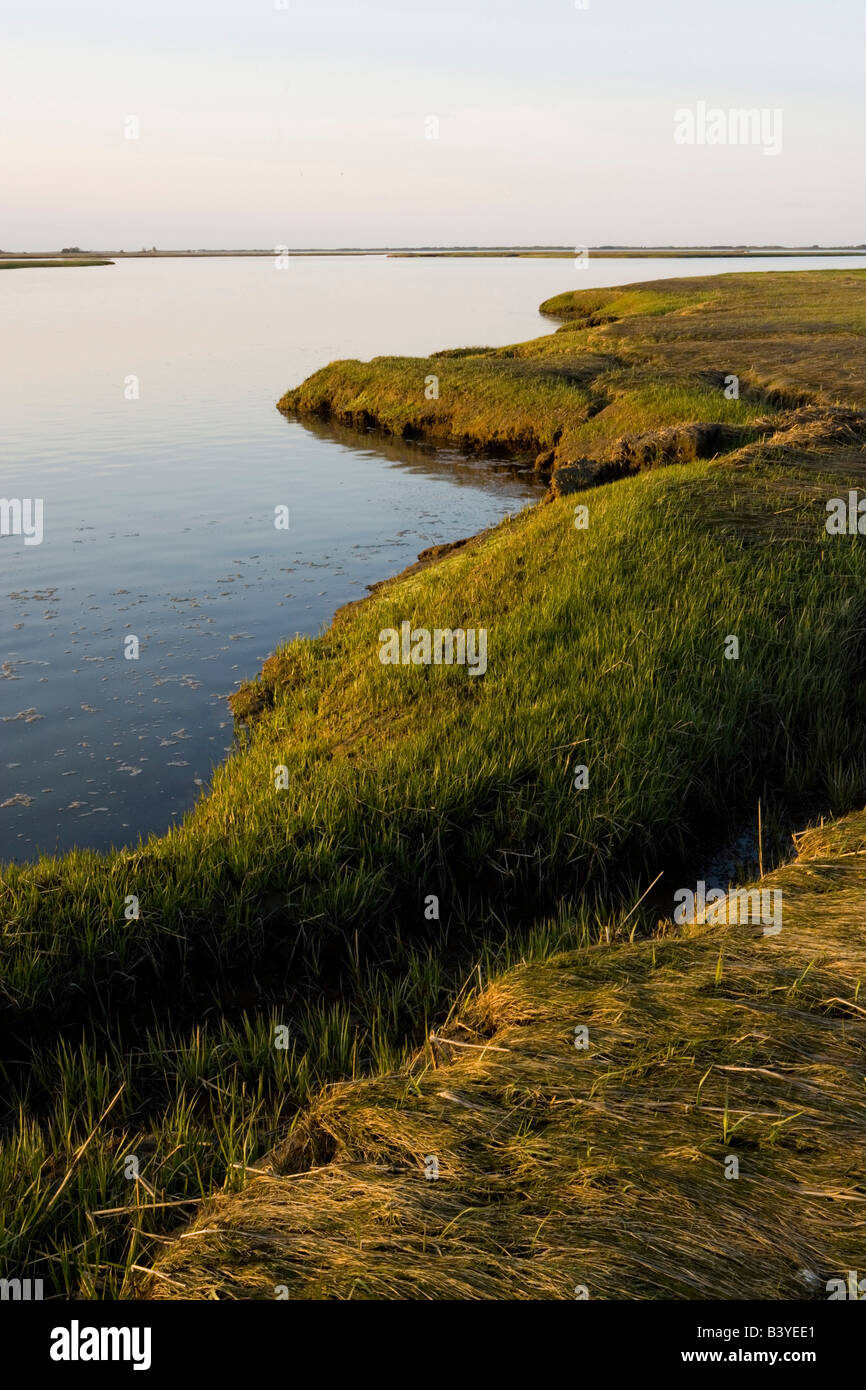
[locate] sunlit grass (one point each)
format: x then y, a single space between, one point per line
305 907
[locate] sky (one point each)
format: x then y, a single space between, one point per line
262 123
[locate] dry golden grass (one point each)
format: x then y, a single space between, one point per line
602 1168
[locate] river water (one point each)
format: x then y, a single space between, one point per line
139 404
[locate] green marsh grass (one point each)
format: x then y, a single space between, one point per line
305 906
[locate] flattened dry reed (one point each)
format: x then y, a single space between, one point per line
605 1167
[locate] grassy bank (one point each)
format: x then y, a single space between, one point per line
304 905
707 1143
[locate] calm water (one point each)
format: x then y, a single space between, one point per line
159 511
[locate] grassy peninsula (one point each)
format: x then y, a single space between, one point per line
625 363
293 895
48 264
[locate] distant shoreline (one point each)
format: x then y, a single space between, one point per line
37 263
648 253
81 257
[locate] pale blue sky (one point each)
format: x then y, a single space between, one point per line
306 125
